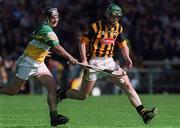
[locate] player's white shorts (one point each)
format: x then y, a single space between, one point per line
102 63
27 67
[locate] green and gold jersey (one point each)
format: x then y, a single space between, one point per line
101 38
41 40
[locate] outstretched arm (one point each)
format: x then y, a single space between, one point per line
53 41
62 52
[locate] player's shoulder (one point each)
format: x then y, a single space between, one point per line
44 27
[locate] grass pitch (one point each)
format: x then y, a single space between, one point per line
95 112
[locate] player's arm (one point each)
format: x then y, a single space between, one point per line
62 52
54 42
82 50
122 44
85 39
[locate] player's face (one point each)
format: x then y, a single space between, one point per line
113 19
53 21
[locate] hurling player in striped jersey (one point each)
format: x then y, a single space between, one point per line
101 37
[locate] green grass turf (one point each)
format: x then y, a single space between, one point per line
95 112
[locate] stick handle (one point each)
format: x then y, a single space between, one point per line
89 66
106 71
86 65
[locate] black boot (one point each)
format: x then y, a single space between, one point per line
58 120
148 115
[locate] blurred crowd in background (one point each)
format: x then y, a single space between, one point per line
151 27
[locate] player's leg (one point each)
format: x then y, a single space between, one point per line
13 87
88 81
23 71
49 82
127 87
83 92
147 115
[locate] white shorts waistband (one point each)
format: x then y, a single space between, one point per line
29 59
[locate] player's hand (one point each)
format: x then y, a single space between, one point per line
85 62
128 62
49 54
72 60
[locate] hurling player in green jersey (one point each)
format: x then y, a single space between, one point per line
31 63
101 37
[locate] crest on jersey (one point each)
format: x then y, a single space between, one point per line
52 36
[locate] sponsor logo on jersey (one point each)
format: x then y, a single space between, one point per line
107 41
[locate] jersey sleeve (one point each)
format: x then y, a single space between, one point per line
52 39
88 34
121 39
45 34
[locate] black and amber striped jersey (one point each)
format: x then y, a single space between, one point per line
101 38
